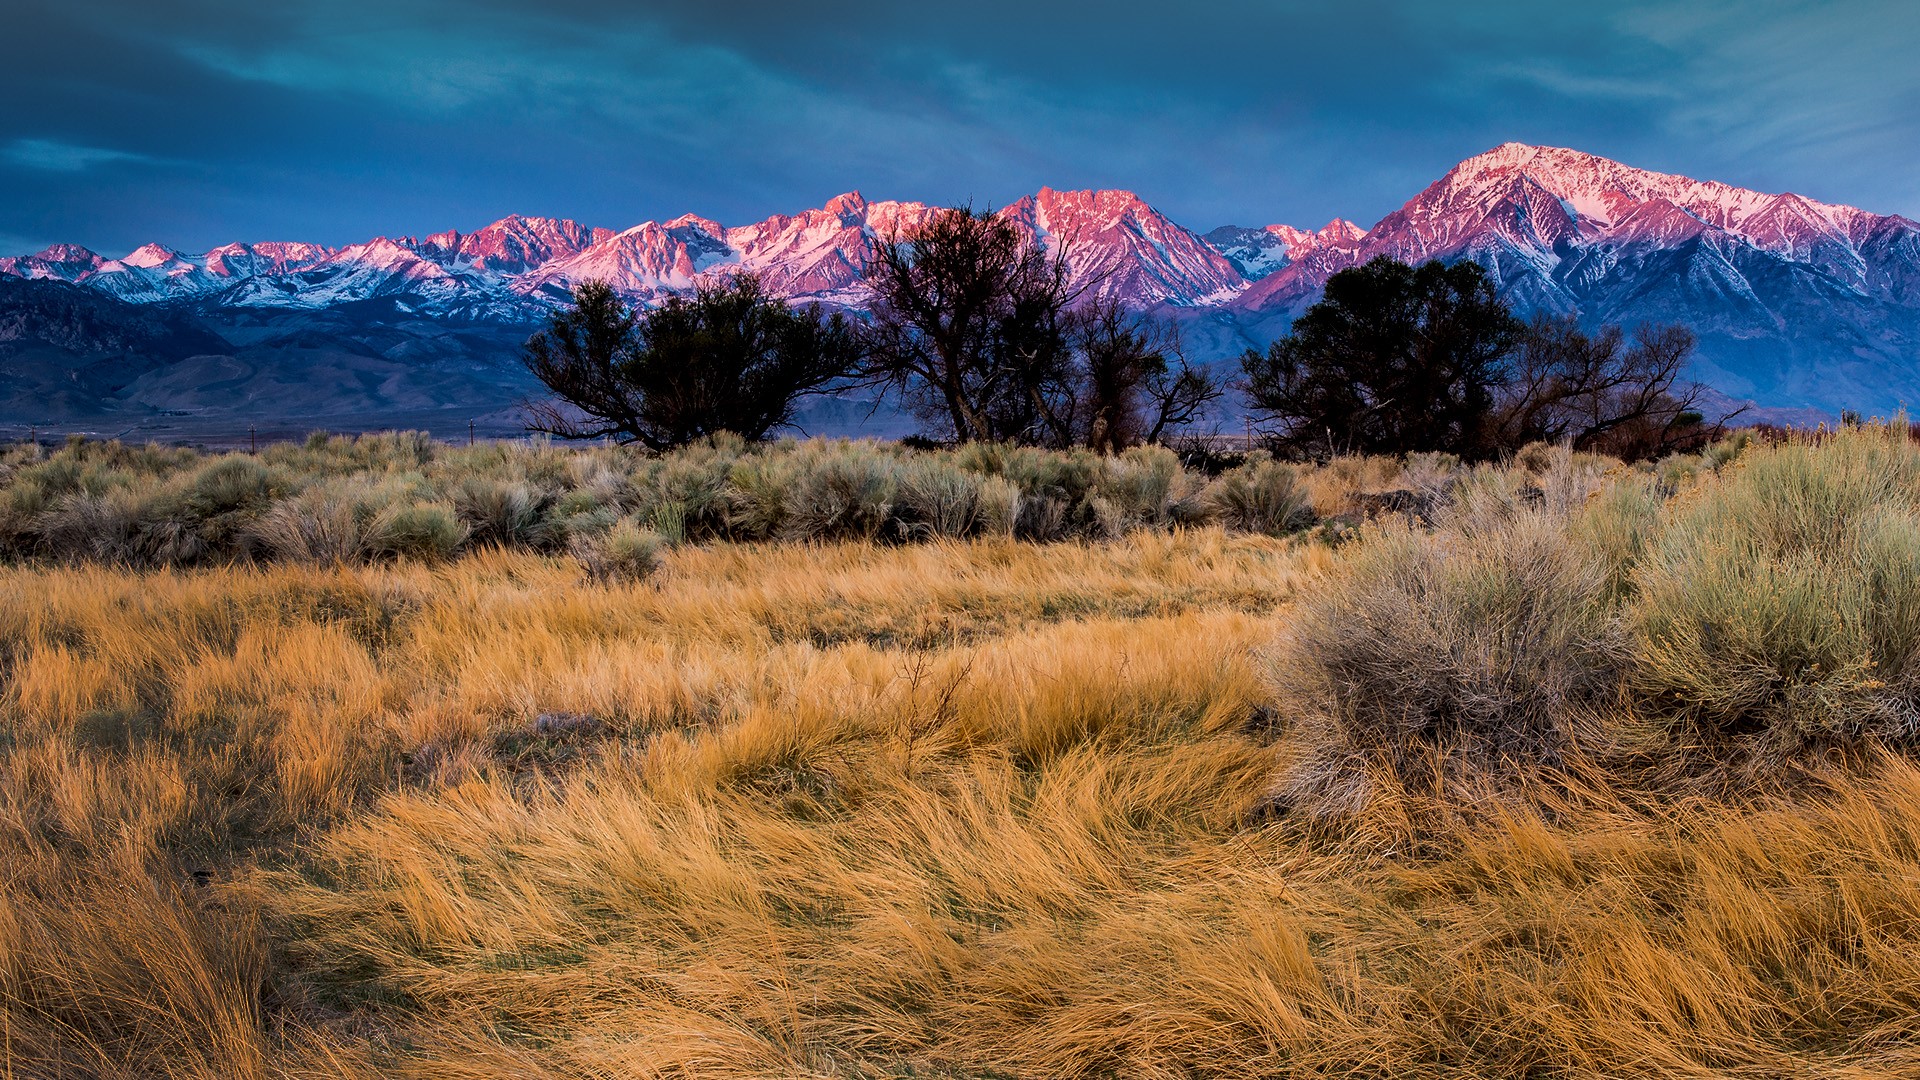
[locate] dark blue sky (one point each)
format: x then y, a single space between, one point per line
194 122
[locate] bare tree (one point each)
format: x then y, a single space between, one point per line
1602 391
1132 382
967 325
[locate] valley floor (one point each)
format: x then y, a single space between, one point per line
964 809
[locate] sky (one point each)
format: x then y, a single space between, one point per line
197 122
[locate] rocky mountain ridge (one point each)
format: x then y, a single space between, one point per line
1797 302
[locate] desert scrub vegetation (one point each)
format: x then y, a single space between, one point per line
378 498
1743 614
980 807
384 497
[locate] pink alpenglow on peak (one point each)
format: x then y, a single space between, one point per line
1117 245
515 244
1600 198
1553 225
1766 280
1120 248
1257 253
60 262
150 256
266 257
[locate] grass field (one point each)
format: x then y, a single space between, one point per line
1479 798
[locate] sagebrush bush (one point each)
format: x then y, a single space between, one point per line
1262 496
508 513
355 499
102 527
693 482
629 551
1781 605
1762 613
1618 523
415 529
1139 488
841 492
1478 651
940 499
315 526
759 487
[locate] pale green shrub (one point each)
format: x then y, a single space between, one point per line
998 501
760 488
318 525
415 530
841 491
1263 496
695 477
1619 522
507 513
1136 488
1781 605
938 498
629 551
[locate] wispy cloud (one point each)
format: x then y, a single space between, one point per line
64 157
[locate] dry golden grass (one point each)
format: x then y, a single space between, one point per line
964 809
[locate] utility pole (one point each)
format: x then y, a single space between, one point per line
469 431
253 445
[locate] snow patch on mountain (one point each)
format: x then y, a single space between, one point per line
1255 253
1812 302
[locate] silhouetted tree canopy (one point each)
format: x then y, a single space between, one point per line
1392 359
981 332
731 357
1602 391
1396 359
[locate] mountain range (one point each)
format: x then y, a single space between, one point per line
1798 304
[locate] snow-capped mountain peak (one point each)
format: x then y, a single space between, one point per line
60 262
848 206
268 257
1601 194
1767 280
512 245
1119 247
1259 252
149 256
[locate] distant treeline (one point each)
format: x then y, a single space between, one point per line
987 337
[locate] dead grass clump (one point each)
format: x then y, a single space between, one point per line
110 967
